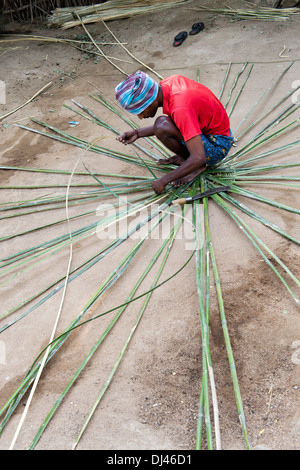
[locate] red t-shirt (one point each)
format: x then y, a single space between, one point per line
193 107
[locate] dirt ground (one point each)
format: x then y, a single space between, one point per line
152 401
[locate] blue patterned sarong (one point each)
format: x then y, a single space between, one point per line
216 147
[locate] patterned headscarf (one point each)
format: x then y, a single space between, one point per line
137 92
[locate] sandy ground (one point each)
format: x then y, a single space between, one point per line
153 399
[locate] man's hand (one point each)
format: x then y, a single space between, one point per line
128 137
158 186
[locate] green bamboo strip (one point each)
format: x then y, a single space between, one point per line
66 172
78 270
60 206
69 330
73 185
74 202
123 265
200 414
78 142
265 114
266 154
237 171
107 188
258 217
45 199
89 262
241 176
160 210
204 332
274 183
43 247
43 227
134 250
226 335
156 143
241 171
252 195
62 242
58 243
240 91
207 310
94 349
224 81
204 383
256 241
261 98
286 269
12 403
234 84
146 165
248 147
83 197
136 199
93 147
82 268
88 145
122 238
97 120
279 118
203 408
50 186
111 375
91 226
95 193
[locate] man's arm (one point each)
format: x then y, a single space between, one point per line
195 161
131 136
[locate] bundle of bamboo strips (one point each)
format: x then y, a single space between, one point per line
255 13
31 9
113 9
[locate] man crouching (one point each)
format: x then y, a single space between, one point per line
195 125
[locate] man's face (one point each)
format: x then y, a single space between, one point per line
150 111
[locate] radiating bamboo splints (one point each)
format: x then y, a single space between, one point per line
242 167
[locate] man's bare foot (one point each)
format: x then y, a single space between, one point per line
187 179
175 160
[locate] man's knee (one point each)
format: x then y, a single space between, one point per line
164 126
161 125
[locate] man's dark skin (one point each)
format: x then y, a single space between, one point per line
191 160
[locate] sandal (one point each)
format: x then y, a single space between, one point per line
196 28
179 38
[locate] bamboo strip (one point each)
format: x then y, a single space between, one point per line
131 55
111 10
28 101
93 350
234 377
258 13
